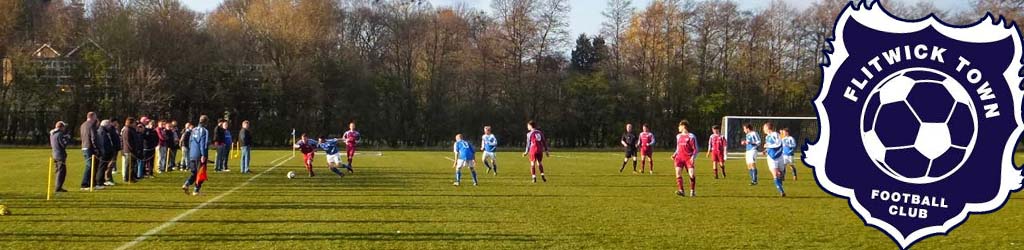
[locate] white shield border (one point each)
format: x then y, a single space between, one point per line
873 16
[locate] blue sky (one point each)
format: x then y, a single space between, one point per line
586 17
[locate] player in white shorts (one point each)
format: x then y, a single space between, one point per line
788 148
751 141
773 155
330 147
464 158
489 144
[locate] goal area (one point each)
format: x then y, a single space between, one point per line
800 128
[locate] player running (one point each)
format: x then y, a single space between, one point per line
464 156
489 144
686 148
308 149
330 147
351 138
773 151
646 145
536 147
751 141
629 141
788 148
716 150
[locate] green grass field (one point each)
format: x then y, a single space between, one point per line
405 200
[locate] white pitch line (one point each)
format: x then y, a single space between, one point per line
174 220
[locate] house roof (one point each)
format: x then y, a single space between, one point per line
46 51
88 41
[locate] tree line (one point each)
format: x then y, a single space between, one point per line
412 74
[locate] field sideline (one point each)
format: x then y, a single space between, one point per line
405 200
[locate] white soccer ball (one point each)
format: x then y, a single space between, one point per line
291 174
919 125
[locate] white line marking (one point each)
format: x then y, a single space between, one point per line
449 158
174 220
370 153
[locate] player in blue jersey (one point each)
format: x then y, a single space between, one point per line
788 148
489 144
773 153
330 147
464 156
751 141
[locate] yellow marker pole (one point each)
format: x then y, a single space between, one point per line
159 164
49 181
92 174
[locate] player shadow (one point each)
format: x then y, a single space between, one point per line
303 221
273 237
305 206
770 196
65 237
372 237
114 205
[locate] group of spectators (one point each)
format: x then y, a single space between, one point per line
146 147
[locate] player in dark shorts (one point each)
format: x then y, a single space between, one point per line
628 141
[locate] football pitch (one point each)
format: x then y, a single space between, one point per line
405 200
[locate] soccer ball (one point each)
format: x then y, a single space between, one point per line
918 125
291 174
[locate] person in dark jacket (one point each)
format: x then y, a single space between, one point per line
245 143
150 141
171 134
115 134
105 150
220 145
59 143
88 137
140 154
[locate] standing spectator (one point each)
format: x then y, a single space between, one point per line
183 141
115 134
150 140
59 143
197 154
172 144
140 156
88 136
105 149
245 142
161 147
130 148
218 141
224 150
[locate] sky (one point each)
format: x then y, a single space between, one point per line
585 16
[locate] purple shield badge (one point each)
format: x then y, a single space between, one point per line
919 120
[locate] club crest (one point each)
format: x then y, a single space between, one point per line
919 120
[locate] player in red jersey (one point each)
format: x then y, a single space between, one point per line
536 147
351 138
686 148
716 150
308 148
646 145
